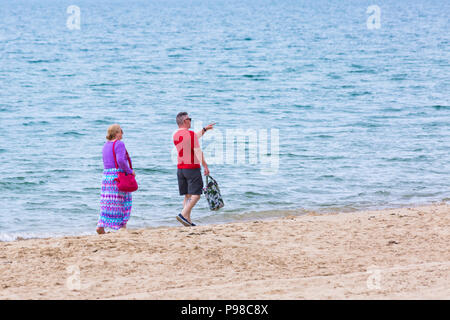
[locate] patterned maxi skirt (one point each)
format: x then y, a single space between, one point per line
115 204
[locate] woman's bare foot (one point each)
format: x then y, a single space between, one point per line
101 230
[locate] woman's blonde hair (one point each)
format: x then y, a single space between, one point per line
113 130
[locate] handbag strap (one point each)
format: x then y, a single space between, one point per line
209 177
129 160
115 159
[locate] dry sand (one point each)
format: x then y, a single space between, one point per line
386 254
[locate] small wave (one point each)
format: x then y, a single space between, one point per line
357 94
364 124
67 117
90 189
440 107
399 159
18 236
303 106
420 195
7 237
399 77
14 185
289 154
367 71
278 203
58 170
436 124
332 157
392 109
255 77
290 69
251 194
132 67
73 133
43 61
382 193
334 76
324 136
152 170
35 123
330 176
103 84
357 66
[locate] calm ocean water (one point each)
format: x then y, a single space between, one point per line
362 115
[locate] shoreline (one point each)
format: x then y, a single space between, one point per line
399 253
249 216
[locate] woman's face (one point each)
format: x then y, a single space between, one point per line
119 135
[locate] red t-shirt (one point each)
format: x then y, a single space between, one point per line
186 140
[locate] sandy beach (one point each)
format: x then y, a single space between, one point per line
385 254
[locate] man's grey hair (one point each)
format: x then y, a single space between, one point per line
181 117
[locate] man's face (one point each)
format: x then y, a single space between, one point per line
188 121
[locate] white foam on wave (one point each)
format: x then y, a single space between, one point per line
8 237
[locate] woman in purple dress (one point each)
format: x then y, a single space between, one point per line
115 204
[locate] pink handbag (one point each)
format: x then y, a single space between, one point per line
125 182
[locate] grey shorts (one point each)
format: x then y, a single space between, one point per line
190 181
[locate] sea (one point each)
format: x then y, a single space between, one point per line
319 106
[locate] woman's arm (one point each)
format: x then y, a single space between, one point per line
121 157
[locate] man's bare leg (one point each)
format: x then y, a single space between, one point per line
187 198
189 205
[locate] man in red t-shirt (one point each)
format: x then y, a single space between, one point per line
190 157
